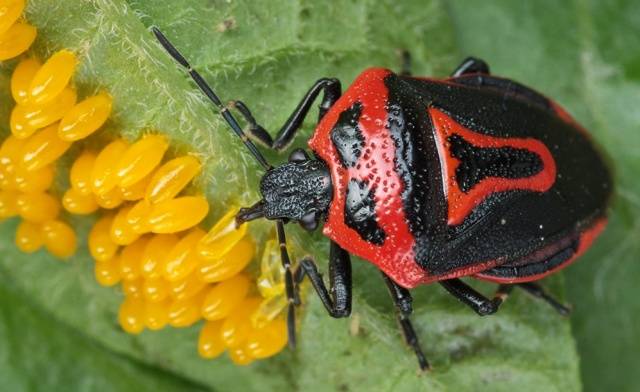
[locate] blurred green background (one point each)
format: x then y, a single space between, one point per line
58 328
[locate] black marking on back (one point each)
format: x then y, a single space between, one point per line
347 136
417 165
360 212
477 163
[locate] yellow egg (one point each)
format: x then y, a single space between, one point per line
187 287
9 204
185 312
136 191
16 40
107 272
11 155
156 315
155 252
267 341
182 260
121 231
132 288
271 279
171 178
52 77
26 119
138 215
232 263
268 310
140 159
110 200
38 207
177 214
10 162
130 259
29 237
131 315
237 326
101 247
59 238
78 203
222 237
155 289
210 345
42 148
240 356
10 11
80 174
103 172
85 118
34 181
221 299
21 78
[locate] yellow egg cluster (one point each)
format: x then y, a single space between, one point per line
26 157
172 272
16 36
44 123
147 237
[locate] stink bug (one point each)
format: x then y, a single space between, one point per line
430 180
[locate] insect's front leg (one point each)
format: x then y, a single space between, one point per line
331 89
337 299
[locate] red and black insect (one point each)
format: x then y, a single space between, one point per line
431 180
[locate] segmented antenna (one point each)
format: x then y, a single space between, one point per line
208 91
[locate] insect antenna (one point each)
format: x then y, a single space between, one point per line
208 91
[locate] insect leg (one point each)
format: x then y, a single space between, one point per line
256 130
402 299
405 58
537 291
332 91
470 297
471 65
337 299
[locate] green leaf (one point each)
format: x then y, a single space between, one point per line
267 55
42 353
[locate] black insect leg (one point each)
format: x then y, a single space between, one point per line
256 130
332 91
484 306
471 65
337 300
405 67
402 299
537 291
470 297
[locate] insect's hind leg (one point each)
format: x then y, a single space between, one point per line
538 291
472 298
403 300
484 306
331 90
